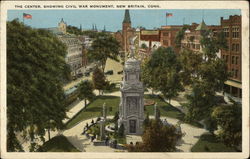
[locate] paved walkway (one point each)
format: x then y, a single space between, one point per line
82 143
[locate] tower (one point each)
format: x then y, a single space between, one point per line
126 25
131 108
62 26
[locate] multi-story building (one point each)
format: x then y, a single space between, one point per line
150 39
74 57
232 31
193 35
74 52
86 43
168 34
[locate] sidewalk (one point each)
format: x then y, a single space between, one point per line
79 105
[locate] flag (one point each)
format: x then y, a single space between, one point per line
27 16
169 14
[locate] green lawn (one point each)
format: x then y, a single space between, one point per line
165 108
94 109
58 144
208 143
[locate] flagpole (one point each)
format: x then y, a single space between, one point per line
166 20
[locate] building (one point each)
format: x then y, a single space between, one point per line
75 47
232 31
86 43
150 39
74 52
60 29
168 34
193 35
131 108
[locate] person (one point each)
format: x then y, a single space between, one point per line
115 144
106 140
92 138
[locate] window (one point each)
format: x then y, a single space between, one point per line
226 31
193 46
237 47
233 47
223 57
226 58
197 46
165 34
236 60
235 32
232 72
236 73
232 59
165 42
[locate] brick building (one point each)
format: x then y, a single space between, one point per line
168 34
193 35
232 31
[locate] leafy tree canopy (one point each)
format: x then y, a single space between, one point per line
104 46
36 71
86 91
229 119
161 72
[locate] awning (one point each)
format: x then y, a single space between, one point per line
233 83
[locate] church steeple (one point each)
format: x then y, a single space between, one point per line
126 17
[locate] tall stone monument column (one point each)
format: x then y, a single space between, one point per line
131 109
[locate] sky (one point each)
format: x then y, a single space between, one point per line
112 19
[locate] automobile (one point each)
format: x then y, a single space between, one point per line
120 72
86 74
79 75
109 72
74 77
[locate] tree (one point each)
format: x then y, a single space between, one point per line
148 80
74 30
161 72
86 91
121 130
209 78
144 46
103 47
99 79
190 62
179 36
157 138
116 117
36 71
229 119
155 134
146 121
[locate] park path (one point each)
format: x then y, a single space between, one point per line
83 144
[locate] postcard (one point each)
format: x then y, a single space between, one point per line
124 79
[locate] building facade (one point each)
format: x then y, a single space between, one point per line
193 35
168 34
232 56
74 52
